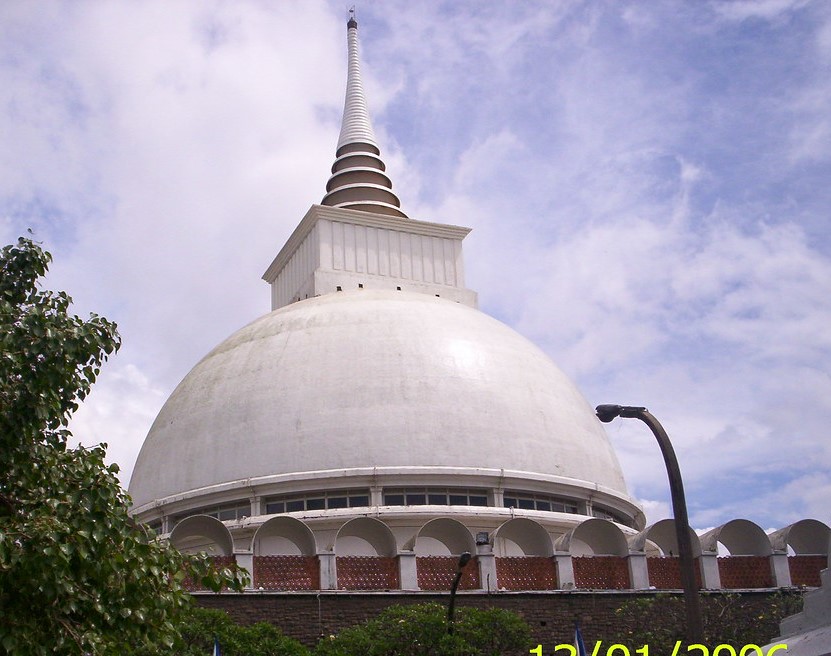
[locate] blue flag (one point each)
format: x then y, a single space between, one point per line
578 640
217 650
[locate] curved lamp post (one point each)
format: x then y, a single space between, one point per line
607 413
464 559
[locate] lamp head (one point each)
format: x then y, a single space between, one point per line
464 559
607 413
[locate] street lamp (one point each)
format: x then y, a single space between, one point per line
464 559
607 413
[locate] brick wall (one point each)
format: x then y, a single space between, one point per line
367 573
526 573
438 572
551 615
665 572
805 569
745 572
286 572
601 572
219 562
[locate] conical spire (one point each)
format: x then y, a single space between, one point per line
358 180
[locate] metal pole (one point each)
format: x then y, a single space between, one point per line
695 629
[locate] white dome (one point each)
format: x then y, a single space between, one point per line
366 379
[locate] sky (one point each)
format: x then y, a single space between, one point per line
648 183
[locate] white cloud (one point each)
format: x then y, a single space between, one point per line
655 510
740 10
119 412
810 134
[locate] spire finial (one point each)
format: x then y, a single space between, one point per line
358 180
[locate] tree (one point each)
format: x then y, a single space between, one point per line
77 575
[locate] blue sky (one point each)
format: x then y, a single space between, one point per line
647 183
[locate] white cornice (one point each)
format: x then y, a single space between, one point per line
465 476
357 217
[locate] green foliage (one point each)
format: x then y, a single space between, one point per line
421 630
77 576
199 626
48 358
732 619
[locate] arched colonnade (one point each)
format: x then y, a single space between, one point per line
365 553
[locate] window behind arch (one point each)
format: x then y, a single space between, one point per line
323 500
534 501
435 496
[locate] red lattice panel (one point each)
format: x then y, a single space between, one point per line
438 572
601 572
665 572
219 562
805 569
526 573
367 573
286 572
745 572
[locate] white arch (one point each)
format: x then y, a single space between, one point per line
741 537
805 537
454 535
372 531
202 533
528 535
603 537
663 534
284 536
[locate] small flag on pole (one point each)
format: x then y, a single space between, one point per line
579 645
217 651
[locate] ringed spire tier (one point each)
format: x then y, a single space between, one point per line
359 180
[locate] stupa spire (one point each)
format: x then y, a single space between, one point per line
356 126
359 181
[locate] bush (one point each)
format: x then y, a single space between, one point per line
421 630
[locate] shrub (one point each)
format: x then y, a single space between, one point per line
421 630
